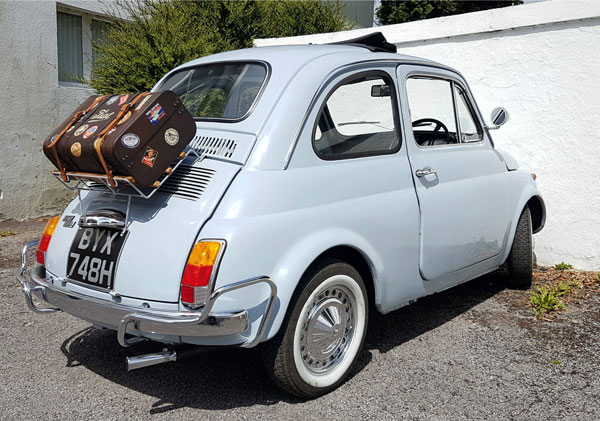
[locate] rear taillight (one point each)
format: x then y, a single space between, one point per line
45 240
199 271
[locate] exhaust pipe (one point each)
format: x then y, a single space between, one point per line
147 360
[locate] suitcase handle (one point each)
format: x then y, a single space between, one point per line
100 138
76 117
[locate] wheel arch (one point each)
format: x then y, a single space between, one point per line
537 208
530 197
299 259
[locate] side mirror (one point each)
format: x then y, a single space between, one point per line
499 117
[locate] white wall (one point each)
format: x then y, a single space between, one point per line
542 62
32 104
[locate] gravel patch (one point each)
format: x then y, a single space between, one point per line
473 352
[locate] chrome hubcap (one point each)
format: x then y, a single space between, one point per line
327 328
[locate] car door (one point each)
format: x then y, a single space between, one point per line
459 179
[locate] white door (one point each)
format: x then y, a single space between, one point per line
459 179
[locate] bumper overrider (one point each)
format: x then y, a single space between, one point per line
140 321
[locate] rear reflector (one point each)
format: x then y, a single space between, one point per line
198 272
45 240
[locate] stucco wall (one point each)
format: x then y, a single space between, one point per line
541 61
31 105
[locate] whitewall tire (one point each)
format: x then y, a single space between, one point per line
325 330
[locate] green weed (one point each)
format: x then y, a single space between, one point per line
563 266
545 300
556 362
7 233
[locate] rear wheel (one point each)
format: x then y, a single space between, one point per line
324 331
520 259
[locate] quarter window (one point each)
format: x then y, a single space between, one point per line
469 129
358 119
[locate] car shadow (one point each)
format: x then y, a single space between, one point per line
230 377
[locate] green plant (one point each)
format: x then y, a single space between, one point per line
545 300
563 266
556 362
563 288
7 233
161 34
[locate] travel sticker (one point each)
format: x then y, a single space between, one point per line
125 118
90 132
149 157
70 129
171 137
155 113
112 130
76 149
101 116
123 99
131 140
112 100
81 129
141 104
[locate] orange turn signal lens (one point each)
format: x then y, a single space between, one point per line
204 253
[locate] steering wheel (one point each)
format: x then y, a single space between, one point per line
438 125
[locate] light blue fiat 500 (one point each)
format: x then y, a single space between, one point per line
324 182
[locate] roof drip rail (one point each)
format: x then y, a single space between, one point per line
375 42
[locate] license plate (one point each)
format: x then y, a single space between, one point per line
93 256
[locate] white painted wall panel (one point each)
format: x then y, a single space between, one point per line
542 62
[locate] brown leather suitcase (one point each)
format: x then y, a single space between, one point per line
132 135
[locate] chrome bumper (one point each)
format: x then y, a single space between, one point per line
139 321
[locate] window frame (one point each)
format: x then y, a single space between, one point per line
262 88
395 111
470 106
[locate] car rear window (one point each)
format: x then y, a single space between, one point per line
224 91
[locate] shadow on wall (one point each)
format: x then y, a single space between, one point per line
235 383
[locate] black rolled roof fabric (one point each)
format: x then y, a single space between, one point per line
375 42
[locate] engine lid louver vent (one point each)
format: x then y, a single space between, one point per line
187 181
214 146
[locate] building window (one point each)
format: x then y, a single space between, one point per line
100 30
70 48
76 34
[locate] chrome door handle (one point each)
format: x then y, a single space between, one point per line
425 171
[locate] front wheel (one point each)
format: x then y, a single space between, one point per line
520 259
324 332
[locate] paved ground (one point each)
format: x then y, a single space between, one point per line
473 352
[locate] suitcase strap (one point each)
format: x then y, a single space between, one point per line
76 117
125 108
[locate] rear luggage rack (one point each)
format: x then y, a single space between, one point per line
124 185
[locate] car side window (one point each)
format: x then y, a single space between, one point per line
440 112
431 107
358 119
470 131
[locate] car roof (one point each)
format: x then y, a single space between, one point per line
297 56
